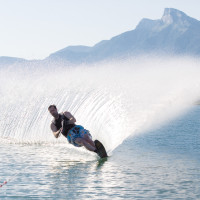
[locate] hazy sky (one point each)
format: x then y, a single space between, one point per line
33 29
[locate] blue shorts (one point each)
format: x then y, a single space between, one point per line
77 131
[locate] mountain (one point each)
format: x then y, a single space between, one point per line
174 33
5 60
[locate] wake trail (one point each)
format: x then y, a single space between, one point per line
113 100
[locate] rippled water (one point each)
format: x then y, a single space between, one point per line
159 164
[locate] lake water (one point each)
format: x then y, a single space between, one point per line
163 163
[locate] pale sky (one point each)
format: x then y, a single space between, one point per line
33 29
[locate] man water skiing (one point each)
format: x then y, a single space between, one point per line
76 135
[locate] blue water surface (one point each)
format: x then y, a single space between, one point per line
159 164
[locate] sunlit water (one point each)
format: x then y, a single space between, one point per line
142 110
161 164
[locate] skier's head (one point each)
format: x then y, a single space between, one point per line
53 110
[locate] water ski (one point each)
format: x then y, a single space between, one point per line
100 149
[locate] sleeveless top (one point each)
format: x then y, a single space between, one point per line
62 123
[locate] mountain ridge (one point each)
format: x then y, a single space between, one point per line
175 33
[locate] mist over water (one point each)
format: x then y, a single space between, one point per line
114 100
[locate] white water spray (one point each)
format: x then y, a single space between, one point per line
113 100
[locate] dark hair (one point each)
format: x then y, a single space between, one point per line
52 106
